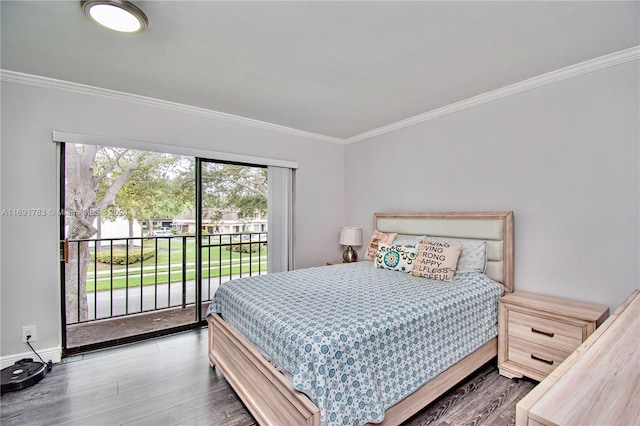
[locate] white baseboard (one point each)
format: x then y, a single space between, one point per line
53 354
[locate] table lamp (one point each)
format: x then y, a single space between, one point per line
350 237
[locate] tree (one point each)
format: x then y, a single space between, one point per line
242 189
153 191
94 175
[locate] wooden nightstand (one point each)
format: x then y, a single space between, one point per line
536 332
334 262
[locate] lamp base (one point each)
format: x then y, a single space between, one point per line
350 255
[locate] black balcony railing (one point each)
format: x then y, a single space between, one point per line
127 276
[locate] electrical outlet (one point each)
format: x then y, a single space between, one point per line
29 330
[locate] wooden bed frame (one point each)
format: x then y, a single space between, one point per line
269 395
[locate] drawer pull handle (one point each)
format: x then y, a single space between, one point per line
534 330
546 361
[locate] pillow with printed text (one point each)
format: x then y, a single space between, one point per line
436 260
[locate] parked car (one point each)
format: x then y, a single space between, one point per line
163 233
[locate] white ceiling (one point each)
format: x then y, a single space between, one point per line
332 68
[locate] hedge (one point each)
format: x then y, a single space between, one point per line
120 256
246 248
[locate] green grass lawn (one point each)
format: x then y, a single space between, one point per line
217 261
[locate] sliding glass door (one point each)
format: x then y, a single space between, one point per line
147 238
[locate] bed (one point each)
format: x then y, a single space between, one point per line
333 362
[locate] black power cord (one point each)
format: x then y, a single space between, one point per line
49 364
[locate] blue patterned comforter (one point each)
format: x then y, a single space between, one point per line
358 339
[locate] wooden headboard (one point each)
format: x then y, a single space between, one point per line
496 228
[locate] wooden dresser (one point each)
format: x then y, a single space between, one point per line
598 384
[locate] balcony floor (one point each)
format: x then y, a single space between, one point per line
130 328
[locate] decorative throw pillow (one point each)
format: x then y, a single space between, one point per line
377 238
408 240
395 257
473 257
436 260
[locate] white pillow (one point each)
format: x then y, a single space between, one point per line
408 240
473 257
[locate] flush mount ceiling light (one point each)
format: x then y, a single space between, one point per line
118 15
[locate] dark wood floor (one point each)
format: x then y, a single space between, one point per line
167 381
484 398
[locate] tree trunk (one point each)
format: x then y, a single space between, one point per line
80 228
75 281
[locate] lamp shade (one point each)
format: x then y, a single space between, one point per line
350 236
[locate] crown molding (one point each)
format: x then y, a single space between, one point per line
575 70
83 89
605 61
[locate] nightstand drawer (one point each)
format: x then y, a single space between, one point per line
544 331
540 358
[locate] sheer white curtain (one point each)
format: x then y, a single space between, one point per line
280 222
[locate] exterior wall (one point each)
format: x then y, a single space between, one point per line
222 226
564 157
118 228
29 172
115 229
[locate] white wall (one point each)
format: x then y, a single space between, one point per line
564 157
30 295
